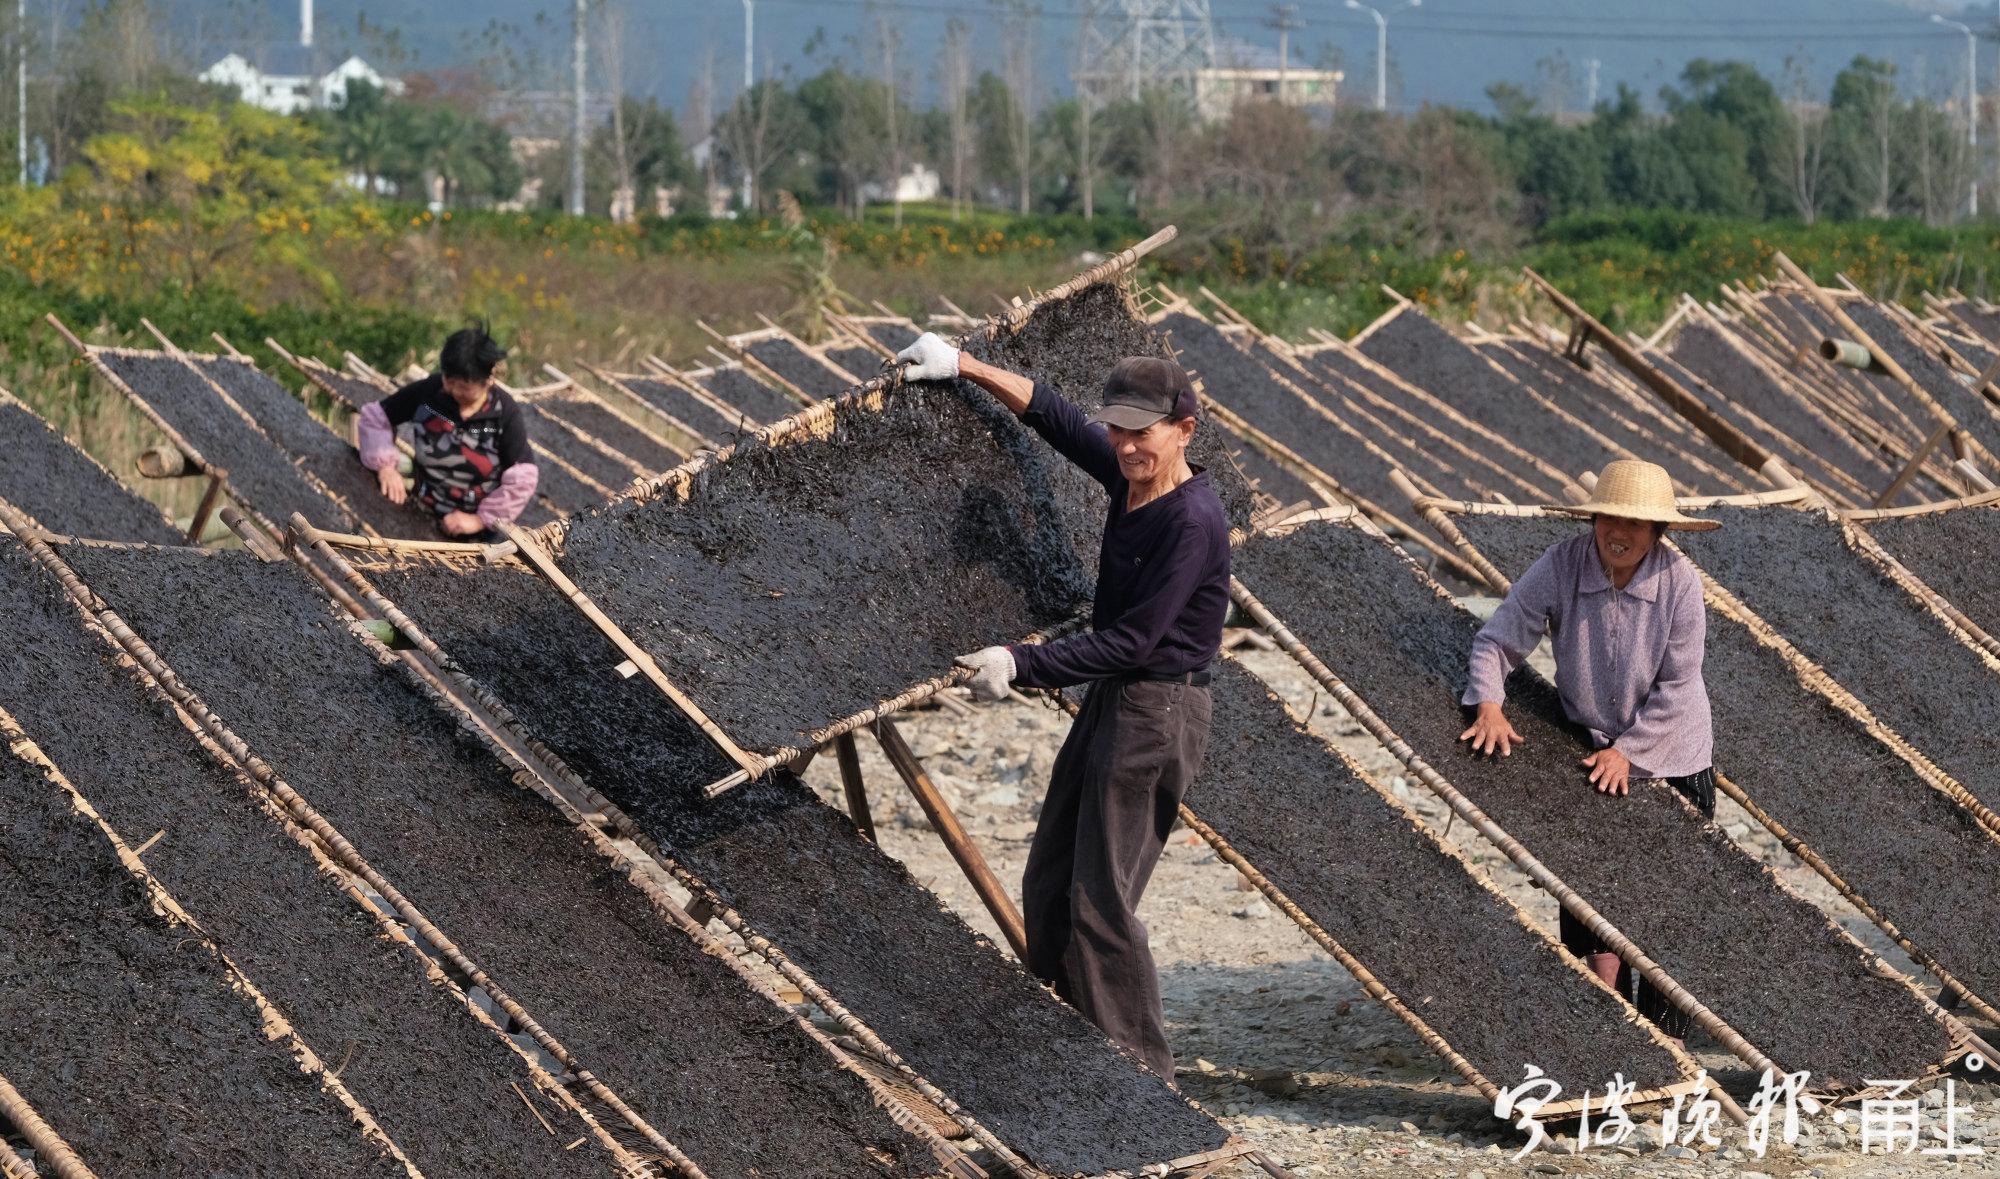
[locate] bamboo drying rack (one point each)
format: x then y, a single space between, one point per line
1585 327
1380 991
1331 490
223 744
567 788
1614 394
321 375
469 557
1421 398
1440 515
218 478
276 1028
8 399
242 412
816 420
1843 421
389 923
1547 405
737 348
667 421
691 379
1962 1039
1851 404
545 398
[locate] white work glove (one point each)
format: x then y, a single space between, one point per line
992 670
932 358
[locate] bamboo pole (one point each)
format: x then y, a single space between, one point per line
1733 442
1985 499
991 892
1829 306
48 1145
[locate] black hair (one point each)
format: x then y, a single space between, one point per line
470 354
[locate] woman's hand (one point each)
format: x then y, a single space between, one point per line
1490 733
461 523
1610 771
390 480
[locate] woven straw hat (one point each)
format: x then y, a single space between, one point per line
1637 490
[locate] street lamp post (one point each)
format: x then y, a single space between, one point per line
1971 108
749 84
1381 49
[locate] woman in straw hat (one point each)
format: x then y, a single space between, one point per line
1624 615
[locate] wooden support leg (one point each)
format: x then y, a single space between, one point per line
1916 462
850 782
206 508
955 839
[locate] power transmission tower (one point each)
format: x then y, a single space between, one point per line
1135 45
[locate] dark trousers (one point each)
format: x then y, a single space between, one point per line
1114 795
1577 938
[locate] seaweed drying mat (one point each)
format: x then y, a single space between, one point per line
1747 946
1950 548
592 417
798 365
1598 404
355 392
312 445
734 385
592 461
1420 350
680 403
554 911
904 500
1795 756
1855 613
1337 453
785 867
1772 409
435 1073
126 1028
1418 926
214 435
53 480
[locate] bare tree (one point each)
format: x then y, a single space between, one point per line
700 123
611 49
755 138
1018 68
887 39
956 67
1087 150
1806 129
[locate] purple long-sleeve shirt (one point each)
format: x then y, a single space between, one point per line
1162 570
1628 662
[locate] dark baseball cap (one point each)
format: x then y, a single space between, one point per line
1142 390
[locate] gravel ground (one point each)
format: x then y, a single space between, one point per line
1273 1037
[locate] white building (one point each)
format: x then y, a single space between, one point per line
1253 73
289 91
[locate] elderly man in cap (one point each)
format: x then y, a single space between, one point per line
1162 592
1625 616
